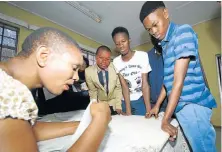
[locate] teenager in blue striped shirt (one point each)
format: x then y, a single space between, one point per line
188 96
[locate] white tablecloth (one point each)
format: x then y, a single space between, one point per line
124 134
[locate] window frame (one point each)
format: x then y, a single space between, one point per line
85 51
219 72
5 26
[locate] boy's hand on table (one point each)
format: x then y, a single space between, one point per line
154 111
170 129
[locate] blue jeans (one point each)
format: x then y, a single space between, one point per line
137 107
195 122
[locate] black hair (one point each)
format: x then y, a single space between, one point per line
120 29
156 44
103 48
48 36
149 7
86 61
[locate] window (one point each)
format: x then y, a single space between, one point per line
8 41
219 67
90 55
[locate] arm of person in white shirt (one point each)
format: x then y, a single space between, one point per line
146 93
126 94
145 85
118 94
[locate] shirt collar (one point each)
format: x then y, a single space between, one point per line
157 53
99 70
170 30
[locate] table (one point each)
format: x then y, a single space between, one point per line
124 134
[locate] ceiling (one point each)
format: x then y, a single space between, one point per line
117 13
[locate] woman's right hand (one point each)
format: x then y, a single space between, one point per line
100 111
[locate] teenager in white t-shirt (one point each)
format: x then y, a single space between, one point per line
133 68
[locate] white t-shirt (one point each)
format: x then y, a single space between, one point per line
132 72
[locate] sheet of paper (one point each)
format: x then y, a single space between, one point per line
134 134
62 144
84 123
124 134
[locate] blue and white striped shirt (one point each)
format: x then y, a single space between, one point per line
181 41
